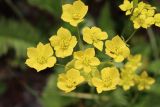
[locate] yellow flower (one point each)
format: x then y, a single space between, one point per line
117 49
143 21
144 81
94 36
126 6
86 60
133 62
108 81
157 19
63 43
143 15
40 57
68 82
127 79
75 13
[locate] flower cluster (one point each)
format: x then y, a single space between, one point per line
86 66
142 14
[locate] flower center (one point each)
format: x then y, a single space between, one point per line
86 61
42 60
76 16
64 44
70 83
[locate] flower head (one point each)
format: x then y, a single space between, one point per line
63 43
143 15
40 57
74 13
134 61
117 49
157 19
68 82
126 6
144 81
108 81
94 36
127 78
86 60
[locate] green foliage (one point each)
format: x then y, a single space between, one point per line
2 87
105 21
52 97
52 6
16 35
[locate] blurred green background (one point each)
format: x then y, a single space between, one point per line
24 23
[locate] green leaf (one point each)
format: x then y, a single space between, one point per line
155 66
51 96
2 87
105 21
52 6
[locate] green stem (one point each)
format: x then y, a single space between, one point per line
153 43
60 65
85 96
79 39
131 35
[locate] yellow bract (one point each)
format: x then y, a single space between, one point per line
75 13
126 6
63 43
144 81
86 60
108 81
117 49
40 57
94 36
157 19
68 82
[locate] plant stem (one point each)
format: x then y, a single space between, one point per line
79 39
85 96
60 65
131 35
153 43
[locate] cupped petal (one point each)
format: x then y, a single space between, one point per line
51 61
94 61
98 45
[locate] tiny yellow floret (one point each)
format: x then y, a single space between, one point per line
109 79
126 6
94 36
85 60
40 57
63 43
157 19
144 81
69 80
74 13
117 49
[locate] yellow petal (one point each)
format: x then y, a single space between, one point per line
51 61
63 32
78 64
67 12
80 7
98 45
94 61
78 55
32 52
90 52
87 35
